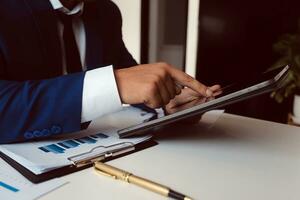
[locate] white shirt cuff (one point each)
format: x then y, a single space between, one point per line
100 94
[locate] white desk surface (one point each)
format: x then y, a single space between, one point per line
239 159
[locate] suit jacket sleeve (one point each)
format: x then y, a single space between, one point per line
36 109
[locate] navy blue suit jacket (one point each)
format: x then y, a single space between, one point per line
35 99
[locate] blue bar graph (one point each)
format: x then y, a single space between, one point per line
101 135
61 147
61 144
52 148
89 140
71 143
44 149
8 187
80 141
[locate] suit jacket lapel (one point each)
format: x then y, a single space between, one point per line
94 43
46 21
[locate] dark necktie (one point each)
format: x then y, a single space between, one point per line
72 56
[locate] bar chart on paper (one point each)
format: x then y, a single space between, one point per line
61 147
14 186
8 187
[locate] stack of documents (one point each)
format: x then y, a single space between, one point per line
99 140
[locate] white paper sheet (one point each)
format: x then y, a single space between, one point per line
14 186
211 117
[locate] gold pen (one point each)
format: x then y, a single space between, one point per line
115 173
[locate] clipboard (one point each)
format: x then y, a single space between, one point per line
42 160
78 161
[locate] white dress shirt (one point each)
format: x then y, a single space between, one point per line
100 93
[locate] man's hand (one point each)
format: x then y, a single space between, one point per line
189 98
155 84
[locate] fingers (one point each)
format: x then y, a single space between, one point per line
164 93
154 99
160 94
184 106
190 92
216 89
178 89
171 87
181 101
217 93
187 95
166 87
156 84
188 81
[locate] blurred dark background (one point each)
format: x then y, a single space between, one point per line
235 42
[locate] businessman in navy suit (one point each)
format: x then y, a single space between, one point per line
63 63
